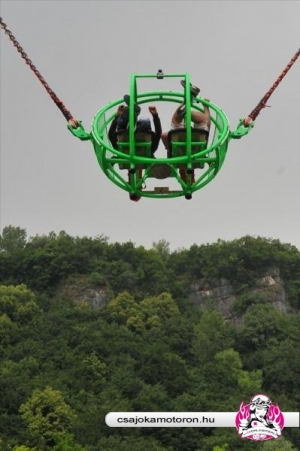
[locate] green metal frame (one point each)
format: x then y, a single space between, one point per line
211 157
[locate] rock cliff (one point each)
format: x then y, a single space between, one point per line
232 304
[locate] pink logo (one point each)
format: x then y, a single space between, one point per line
259 420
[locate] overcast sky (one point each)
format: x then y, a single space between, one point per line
86 51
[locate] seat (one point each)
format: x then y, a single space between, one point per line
199 139
143 142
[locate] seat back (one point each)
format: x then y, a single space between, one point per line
143 142
199 139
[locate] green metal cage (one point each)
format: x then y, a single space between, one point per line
132 167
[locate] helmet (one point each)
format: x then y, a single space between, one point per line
143 125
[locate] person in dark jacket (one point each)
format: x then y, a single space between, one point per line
121 121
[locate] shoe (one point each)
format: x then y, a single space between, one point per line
183 175
194 90
137 108
134 197
126 99
181 110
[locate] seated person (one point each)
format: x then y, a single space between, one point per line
121 122
201 121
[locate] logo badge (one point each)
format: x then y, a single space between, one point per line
260 419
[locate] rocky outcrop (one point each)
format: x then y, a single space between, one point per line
269 289
96 298
80 290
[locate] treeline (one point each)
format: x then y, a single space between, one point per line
66 362
43 262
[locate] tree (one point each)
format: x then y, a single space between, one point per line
23 448
8 330
12 239
124 310
212 334
156 310
151 312
129 443
278 445
221 448
19 304
162 247
67 443
263 327
48 416
224 382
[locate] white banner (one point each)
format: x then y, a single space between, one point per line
183 419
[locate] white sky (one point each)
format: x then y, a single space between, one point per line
86 51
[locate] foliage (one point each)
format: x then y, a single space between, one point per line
150 312
12 239
279 445
47 416
88 327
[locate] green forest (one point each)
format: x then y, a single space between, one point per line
90 327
